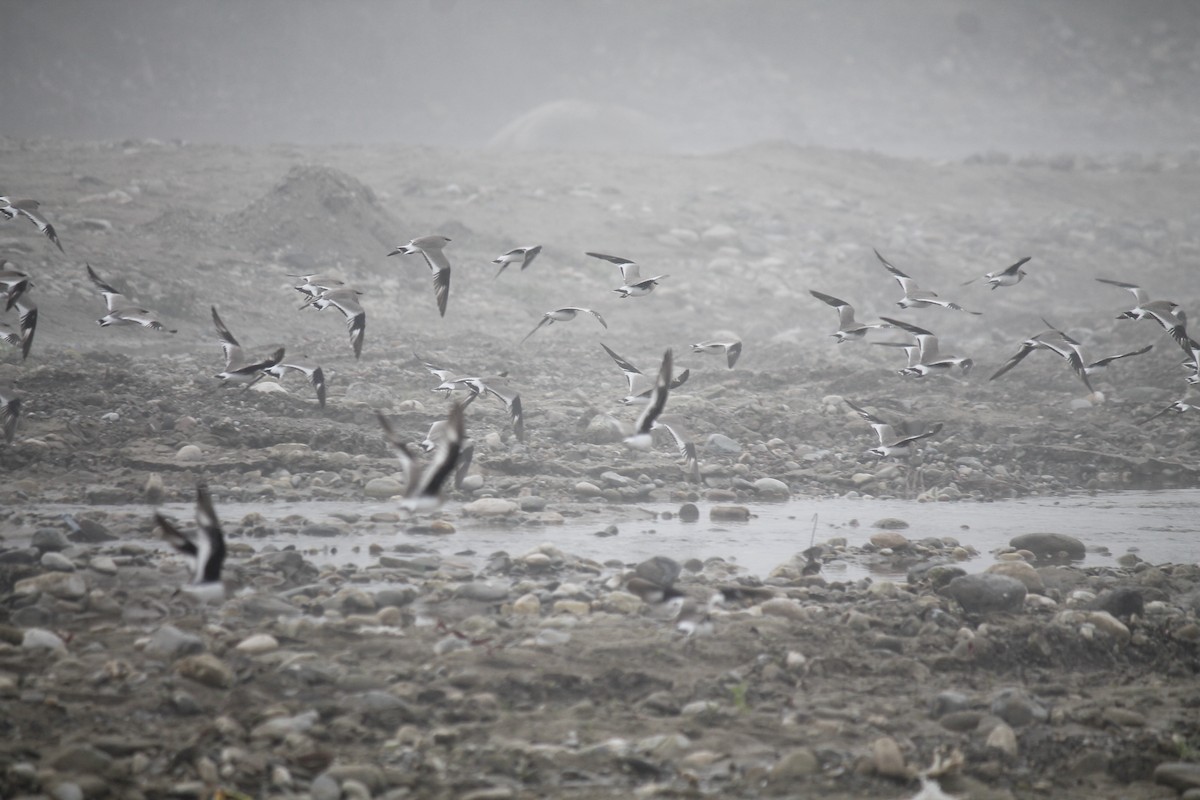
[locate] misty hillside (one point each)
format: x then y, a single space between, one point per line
931 77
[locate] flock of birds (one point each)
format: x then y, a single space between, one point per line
449 450
926 358
447 446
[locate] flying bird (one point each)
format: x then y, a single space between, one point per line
732 350
1178 407
206 547
424 486
891 443
316 284
1056 342
640 386
345 301
11 209
1167 313
121 311
642 438
914 296
848 328
632 283
1009 276
928 357
430 248
10 411
22 336
563 315
13 283
495 386
315 375
239 369
518 255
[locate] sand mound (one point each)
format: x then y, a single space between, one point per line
577 125
320 212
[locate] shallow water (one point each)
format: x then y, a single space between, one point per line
1159 526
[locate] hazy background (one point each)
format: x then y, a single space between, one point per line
929 77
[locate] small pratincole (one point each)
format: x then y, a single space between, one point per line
239 369
731 350
27 317
345 301
928 359
891 443
495 386
1179 407
640 386
1009 276
10 411
564 314
11 209
642 438
206 546
1056 342
1167 313
914 295
848 328
518 255
632 283
430 248
121 311
424 486
315 375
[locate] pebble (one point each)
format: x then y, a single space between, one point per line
527 605
889 540
1179 775
720 443
207 670
170 642
1049 545
729 513
63 585
49 540
1017 708
258 643
887 759
57 562
490 507
81 759
587 489
103 564
791 768
979 594
1022 571
772 489
189 453
1004 739
383 488
41 639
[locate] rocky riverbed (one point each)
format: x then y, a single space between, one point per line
532 672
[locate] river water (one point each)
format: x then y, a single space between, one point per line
1159 526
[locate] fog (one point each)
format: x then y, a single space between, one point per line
934 78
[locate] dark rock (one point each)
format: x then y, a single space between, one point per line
979 594
1050 545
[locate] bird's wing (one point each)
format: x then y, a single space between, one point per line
658 396
111 295
596 314
1109 359
445 457
229 345
1139 294
733 352
1027 347
545 320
